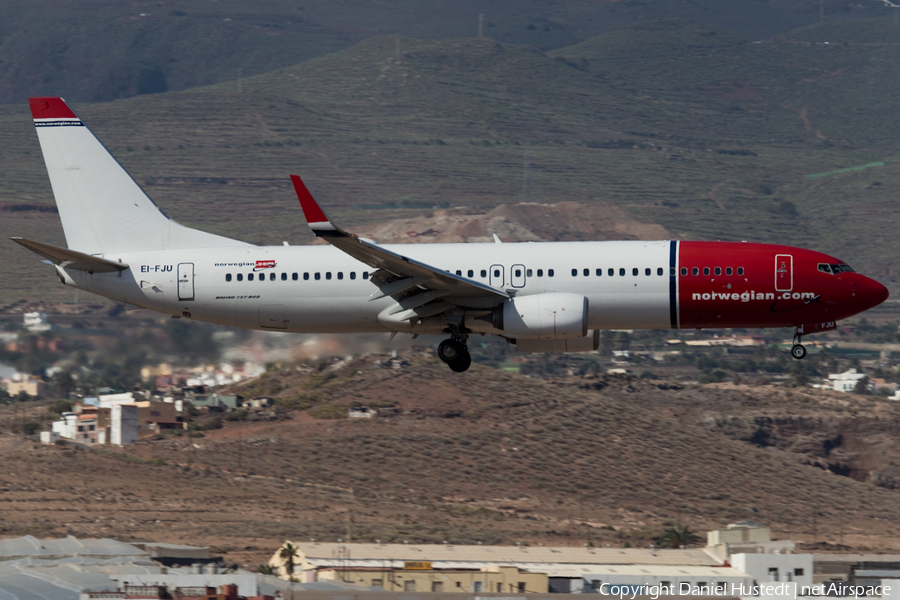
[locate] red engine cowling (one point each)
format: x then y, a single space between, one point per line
543 316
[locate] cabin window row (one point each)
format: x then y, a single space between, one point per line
716 270
585 272
295 276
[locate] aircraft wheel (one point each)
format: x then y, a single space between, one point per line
450 350
462 362
798 351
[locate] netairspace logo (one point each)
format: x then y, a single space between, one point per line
765 590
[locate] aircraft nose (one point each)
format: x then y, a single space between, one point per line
871 292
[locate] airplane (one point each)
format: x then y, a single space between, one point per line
543 297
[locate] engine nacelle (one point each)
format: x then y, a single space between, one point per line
549 316
583 344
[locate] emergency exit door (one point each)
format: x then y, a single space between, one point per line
784 273
185 281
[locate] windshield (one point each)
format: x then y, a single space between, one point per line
835 269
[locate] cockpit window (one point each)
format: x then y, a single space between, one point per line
835 269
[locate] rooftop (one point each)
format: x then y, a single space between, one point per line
326 552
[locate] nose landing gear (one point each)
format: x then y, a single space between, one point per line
455 353
797 350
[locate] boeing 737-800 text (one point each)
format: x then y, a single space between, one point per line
544 297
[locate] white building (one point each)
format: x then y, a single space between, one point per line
66 426
110 400
35 322
845 382
747 537
124 424
765 568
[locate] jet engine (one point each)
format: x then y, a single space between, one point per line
551 316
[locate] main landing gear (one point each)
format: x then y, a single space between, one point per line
455 353
797 350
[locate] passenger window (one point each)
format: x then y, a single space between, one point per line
471 273
634 272
621 272
340 274
271 276
549 272
540 272
740 270
262 277
240 277
459 273
484 272
695 271
659 271
328 275
518 272
352 274
599 272
249 276
294 277
365 275
306 277
527 272
729 271
574 272
318 276
647 272
718 271
683 271
496 272
227 276
587 272
706 270
611 272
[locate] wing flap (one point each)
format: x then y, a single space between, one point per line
71 259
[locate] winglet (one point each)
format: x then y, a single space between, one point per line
315 216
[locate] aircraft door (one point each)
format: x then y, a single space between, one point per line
784 273
185 281
272 316
497 275
517 276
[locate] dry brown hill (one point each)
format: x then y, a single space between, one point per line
485 455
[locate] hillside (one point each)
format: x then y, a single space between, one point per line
486 456
682 127
151 47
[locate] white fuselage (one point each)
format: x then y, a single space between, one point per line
320 289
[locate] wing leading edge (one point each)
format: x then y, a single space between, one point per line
419 288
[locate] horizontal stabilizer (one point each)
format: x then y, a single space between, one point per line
70 259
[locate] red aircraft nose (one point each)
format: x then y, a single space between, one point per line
870 293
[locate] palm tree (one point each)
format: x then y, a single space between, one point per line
676 536
266 570
287 552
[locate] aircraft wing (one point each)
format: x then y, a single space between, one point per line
398 275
